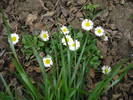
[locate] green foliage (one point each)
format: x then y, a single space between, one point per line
25 78
28 42
91 53
3 96
104 84
66 79
91 7
6 86
92 11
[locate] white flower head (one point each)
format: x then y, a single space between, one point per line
14 38
74 45
87 24
106 69
105 38
47 61
67 39
44 35
99 31
64 30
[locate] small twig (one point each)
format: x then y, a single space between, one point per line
2 53
57 3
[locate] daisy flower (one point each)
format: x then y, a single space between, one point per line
105 38
64 30
106 69
44 35
87 24
74 45
47 61
67 39
14 38
99 31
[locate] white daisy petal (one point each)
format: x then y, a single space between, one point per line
67 39
74 45
105 38
103 68
47 61
106 69
14 38
64 30
44 35
87 24
99 31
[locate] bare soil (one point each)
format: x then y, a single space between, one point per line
28 16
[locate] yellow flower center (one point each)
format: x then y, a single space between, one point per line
47 61
13 38
87 24
99 31
106 70
74 45
45 36
65 30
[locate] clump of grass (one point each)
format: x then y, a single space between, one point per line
71 54
93 10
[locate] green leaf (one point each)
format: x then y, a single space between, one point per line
27 40
3 96
91 7
40 43
79 35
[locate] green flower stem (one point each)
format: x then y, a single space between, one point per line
79 59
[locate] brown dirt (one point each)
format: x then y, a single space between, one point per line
31 15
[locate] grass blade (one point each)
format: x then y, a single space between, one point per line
79 59
101 86
6 86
